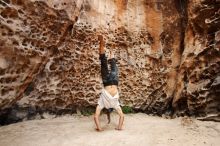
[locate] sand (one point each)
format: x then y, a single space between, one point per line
139 130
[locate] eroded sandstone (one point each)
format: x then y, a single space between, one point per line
168 55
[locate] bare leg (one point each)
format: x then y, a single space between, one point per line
121 118
96 118
101 44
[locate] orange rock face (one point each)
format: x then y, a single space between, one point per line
167 51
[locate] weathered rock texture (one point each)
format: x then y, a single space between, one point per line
168 54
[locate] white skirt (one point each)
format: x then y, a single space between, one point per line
108 101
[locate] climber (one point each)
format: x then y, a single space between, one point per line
109 97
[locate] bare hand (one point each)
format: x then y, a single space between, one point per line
118 129
99 130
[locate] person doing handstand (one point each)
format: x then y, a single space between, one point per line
109 97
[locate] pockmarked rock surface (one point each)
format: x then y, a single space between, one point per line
167 51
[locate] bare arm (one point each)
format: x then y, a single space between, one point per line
96 119
121 119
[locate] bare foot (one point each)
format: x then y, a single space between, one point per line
119 129
99 130
100 37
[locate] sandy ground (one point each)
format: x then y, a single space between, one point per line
139 130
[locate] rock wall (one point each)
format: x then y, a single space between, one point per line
197 89
167 51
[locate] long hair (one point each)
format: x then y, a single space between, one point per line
108 112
